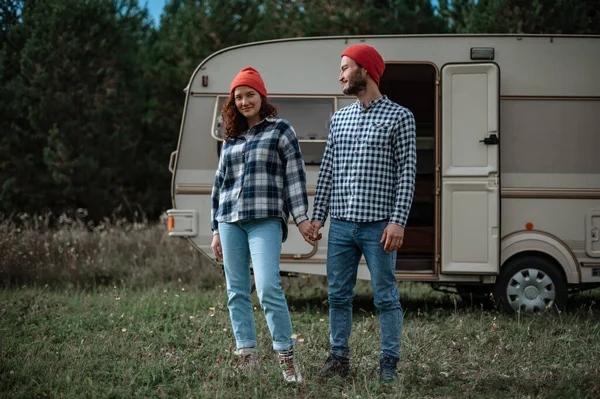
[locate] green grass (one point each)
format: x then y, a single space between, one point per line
122 311
177 343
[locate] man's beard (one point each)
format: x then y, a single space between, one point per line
356 84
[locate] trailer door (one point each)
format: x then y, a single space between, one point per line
470 191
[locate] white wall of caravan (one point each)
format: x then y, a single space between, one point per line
197 149
563 218
527 64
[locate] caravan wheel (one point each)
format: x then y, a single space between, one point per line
530 284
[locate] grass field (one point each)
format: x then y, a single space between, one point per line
123 312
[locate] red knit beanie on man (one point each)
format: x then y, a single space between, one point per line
251 78
368 58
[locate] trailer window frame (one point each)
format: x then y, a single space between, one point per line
312 145
281 102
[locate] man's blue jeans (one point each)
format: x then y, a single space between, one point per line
261 241
347 242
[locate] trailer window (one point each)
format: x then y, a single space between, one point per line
310 117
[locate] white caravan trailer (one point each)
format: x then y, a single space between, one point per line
507 194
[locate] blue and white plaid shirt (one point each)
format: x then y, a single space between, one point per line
368 169
261 175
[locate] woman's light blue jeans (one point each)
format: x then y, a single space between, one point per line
348 241
259 240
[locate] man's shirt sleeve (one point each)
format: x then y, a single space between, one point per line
325 180
405 156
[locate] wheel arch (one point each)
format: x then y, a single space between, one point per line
540 243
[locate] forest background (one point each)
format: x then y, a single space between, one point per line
91 92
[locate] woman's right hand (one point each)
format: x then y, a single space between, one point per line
216 246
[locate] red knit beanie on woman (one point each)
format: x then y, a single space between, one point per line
251 78
368 58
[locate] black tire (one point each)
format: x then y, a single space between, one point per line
530 283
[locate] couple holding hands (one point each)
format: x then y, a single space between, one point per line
365 184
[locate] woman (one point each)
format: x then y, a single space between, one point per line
259 182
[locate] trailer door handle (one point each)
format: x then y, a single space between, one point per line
493 139
171 159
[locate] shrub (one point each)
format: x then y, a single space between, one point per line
113 252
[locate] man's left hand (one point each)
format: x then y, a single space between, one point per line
393 237
307 230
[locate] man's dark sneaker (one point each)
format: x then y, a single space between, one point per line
387 369
335 365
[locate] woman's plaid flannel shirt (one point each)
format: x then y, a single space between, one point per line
261 175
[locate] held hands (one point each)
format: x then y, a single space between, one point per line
316 226
216 246
393 237
307 229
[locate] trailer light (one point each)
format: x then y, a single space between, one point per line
529 226
204 80
182 222
482 53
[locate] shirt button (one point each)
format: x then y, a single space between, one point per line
355 152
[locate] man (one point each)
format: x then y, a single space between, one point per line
366 184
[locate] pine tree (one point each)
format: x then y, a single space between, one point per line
369 17
80 77
522 16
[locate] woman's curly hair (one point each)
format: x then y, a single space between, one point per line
235 123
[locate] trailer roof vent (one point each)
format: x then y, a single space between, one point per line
482 53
